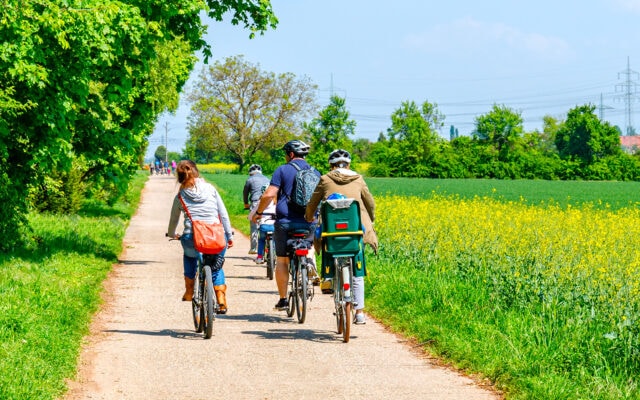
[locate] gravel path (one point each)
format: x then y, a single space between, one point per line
143 345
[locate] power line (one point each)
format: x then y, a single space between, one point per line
629 87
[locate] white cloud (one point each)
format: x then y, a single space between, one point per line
472 36
633 5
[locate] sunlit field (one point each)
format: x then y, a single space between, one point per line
544 300
532 284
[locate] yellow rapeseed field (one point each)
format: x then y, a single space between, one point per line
586 259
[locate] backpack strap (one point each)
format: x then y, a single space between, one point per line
296 166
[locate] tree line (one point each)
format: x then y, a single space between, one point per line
241 114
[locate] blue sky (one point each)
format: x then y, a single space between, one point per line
538 58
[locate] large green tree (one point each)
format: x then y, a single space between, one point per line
583 137
413 142
240 110
79 82
329 131
502 127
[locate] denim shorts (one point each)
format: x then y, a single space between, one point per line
280 234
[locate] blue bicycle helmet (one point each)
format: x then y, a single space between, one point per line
336 196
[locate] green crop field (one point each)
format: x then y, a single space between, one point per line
532 284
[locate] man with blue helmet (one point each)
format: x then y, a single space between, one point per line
289 216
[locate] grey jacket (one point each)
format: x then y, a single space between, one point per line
204 204
253 188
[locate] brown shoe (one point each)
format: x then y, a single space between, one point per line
188 289
326 286
221 296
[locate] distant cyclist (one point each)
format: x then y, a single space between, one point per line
288 216
265 225
341 179
251 196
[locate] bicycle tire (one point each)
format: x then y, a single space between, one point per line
292 293
346 322
338 299
347 305
301 291
271 258
196 304
208 303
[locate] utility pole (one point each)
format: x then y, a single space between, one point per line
166 142
602 107
629 89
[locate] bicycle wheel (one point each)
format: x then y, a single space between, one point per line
271 258
208 303
292 290
345 266
338 299
302 281
196 304
346 322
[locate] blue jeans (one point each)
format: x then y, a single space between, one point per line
190 261
262 237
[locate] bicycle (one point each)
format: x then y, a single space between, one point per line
341 243
270 251
204 304
299 288
344 302
270 255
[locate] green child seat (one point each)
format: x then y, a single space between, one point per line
342 234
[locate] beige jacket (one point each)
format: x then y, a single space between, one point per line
350 184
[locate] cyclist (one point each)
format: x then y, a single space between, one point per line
204 203
341 179
289 216
251 196
265 225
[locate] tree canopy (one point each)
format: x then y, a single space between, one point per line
329 131
82 84
239 109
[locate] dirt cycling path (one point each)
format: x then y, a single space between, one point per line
143 345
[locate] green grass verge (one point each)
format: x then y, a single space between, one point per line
49 292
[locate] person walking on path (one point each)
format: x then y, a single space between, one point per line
251 196
204 203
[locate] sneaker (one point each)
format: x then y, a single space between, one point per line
259 260
313 275
253 251
326 286
282 305
360 319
